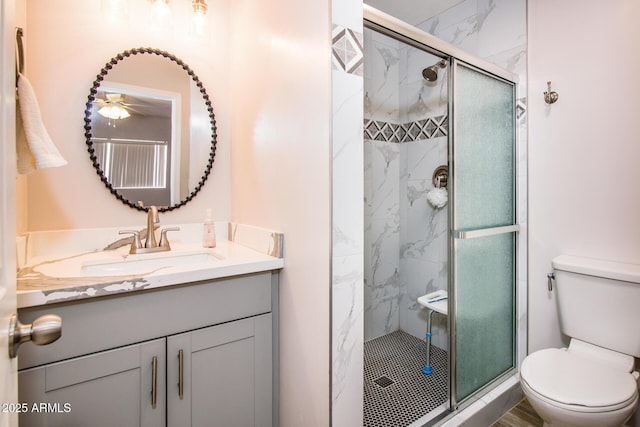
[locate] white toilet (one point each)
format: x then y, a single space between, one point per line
592 383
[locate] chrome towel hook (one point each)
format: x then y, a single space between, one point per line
549 96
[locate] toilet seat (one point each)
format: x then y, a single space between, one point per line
577 383
532 395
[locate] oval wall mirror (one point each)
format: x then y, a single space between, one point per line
150 129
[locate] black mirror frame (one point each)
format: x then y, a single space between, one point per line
87 124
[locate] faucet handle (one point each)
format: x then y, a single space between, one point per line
164 242
135 243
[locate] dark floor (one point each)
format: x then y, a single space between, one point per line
396 392
521 415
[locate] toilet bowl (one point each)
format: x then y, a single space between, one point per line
592 383
567 389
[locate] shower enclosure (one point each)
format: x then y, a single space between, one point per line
440 171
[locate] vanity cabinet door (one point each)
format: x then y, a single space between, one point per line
111 388
226 377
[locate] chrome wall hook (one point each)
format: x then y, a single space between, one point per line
549 96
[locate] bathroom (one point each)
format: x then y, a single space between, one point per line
266 138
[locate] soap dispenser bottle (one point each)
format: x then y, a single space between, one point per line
209 231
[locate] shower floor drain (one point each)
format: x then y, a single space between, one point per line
383 381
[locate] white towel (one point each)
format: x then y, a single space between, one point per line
34 147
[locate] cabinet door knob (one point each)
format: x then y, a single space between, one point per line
44 330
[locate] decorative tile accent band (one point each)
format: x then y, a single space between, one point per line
432 127
521 108
347 50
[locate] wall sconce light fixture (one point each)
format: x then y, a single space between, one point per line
160 14
115 12
199 19
199 7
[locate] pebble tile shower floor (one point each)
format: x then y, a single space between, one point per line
396 392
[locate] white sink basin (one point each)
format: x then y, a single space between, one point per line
109 263
136 264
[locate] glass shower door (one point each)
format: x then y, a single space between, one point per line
483 218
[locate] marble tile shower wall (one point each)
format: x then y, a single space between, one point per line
347 356
405 133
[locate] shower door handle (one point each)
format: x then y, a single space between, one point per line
484 232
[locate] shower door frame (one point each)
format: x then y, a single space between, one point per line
388 25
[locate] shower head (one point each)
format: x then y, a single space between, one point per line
430 74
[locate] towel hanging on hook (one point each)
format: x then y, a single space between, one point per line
34 147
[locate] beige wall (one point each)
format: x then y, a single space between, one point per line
67 43
584 151
281 175
273 72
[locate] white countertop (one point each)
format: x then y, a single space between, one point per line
47 279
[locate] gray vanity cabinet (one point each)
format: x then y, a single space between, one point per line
220 376
206 359
111 388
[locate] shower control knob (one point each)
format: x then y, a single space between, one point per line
44 330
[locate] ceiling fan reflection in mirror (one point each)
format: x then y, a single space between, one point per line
119 105
113 107
122 101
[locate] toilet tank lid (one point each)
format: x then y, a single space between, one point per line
597 267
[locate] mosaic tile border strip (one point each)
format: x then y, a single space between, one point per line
432 127
347 47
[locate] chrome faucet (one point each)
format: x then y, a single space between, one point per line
150 242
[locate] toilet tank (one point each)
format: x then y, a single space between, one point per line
599 302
